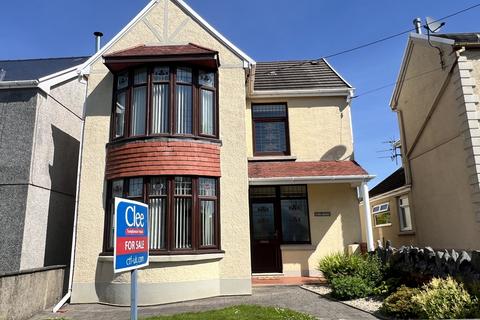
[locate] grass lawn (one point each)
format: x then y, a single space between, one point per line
241 312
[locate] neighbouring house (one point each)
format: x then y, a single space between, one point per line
392 216
436 101
41 104
246 167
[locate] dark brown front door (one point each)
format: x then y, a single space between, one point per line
265 241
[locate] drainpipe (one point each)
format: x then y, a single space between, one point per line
75 217
368 216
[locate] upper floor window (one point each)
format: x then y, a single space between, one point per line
165 100
270 129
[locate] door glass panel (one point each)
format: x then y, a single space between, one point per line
295 220
263 221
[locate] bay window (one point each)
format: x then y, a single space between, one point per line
183 211
159 100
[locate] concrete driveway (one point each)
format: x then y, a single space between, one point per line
292 297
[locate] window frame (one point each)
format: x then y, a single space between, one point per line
196 247
400 206
172 105
272 119
375 213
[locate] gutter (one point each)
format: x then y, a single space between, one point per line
324 92
309 180
75 216
19 84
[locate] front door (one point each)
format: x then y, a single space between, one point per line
265 241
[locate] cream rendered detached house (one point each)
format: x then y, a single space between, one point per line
436 100
246 167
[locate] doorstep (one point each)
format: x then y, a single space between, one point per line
278 279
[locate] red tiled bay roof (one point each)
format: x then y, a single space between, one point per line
144 50
279 169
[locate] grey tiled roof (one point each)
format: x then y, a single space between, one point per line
296 74
33 69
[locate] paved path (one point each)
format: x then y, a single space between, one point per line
292 297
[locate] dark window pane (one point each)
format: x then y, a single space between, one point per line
295 220
206 78
183 186
158 186
135 187
157 212
263 221
262 192
184 75
122 80
270 137
293 191
161 74
183 229
117 188
269 111
139 108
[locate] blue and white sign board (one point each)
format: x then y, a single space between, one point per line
130 250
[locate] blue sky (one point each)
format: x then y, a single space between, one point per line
266 30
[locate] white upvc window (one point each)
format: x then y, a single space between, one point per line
404 214
381 214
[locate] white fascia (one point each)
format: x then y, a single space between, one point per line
330 92
309 180
84 69
337 73
47 82
414 38
392 193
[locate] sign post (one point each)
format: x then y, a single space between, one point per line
130 250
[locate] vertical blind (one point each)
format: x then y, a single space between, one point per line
160 108
183 212
139 106
207 112
157 204
184 109
120 113
207 191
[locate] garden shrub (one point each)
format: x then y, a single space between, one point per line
339 265
443 299
400 304
350 287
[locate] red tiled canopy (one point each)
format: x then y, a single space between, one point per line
191 53
280 169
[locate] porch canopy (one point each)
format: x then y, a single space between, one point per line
306 172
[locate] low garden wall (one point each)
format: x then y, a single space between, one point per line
427 262
24 293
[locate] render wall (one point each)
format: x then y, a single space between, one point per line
437 158
389 232
329 234
175 280
17 119
319 127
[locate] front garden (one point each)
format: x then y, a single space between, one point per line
403 285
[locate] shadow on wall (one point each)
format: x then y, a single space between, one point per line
334 154
63 176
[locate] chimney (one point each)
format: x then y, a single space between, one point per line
417 22
98 35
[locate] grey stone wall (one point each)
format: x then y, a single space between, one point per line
425 263
25 293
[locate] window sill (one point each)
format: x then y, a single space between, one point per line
166 137
383 225
175 258
272 158
406 233
297 247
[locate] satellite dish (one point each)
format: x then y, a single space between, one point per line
433 25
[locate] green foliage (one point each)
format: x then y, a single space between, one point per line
400 304
366 267
387 286
350 287
443 299
240 312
